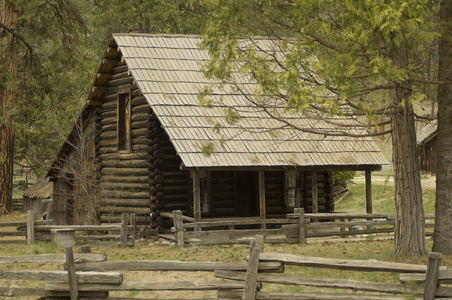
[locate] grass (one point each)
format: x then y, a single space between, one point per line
382 199
371 249
362 250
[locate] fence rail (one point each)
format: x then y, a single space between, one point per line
235 280
295 228
32 230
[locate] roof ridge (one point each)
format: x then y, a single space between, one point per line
157 35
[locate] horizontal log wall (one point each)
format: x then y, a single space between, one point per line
275 192
324 191
125 175
223 194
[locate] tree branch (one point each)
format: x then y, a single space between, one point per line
438 82
18 36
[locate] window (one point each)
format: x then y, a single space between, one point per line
204 187
204 190
124 115
294 189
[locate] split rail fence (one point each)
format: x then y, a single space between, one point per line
31 230
295 228
91 276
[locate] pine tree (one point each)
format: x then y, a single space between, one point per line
365 55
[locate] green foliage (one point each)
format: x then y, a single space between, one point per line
61 46
152 16
341 178
327 53
208 149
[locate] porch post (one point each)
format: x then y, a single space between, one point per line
315 194
262 196
368 191
196 196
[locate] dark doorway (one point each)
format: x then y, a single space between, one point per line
247 193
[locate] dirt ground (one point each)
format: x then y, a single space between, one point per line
427 181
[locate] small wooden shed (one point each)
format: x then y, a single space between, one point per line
426 147
149 141
38 198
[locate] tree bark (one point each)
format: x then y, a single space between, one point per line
442 237
409 226
8 66
409 229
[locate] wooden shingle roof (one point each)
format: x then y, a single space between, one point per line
427 133
167 69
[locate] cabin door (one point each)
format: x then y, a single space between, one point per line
247 193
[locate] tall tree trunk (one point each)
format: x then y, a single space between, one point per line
409 231
8 67
442 237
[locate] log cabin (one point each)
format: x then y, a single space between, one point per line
426 147
147 146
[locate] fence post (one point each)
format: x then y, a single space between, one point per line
30 227
124 223
133 221
431 275
301 229
71 273
178 225
249 292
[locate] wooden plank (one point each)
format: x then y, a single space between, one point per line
445 277
78 227
71 273
249 292
13 242
431 275
22 292
124 229
314 190
30 227
13 233
343 264
301 229
223 235
45 258
178 224
98 237
342 233
24 223
170 265
368 175
196 197
343 216
150 286
262 208
381 287
178 298
170 215
237 222
82 277
312 296
373 223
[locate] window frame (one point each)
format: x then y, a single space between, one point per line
205 190
294 183
124 117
